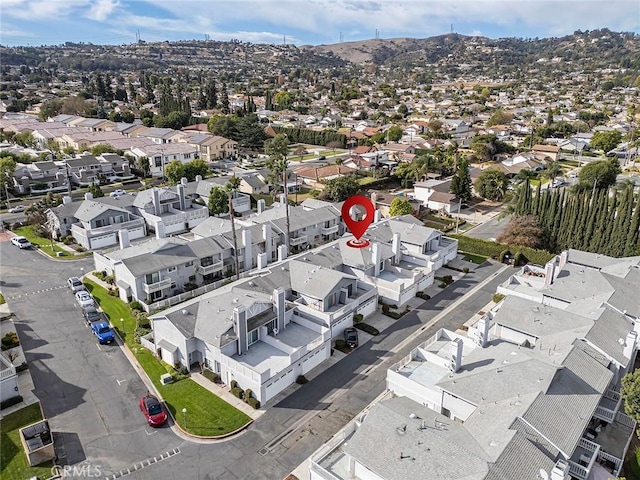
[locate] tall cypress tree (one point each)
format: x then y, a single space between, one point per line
633 236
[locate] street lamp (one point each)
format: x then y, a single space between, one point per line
184 412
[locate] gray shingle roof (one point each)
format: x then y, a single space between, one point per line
90 209
314 281
609 332
521 460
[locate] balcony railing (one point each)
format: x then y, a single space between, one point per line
208 269
154 287
298 240
581 467
329 230
7 372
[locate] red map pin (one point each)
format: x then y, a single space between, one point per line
357 228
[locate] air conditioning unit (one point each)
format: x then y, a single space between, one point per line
166 378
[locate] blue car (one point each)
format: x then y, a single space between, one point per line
103 331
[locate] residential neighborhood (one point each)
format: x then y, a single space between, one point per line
184 294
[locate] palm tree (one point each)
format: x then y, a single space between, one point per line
231 187
278 149
553 170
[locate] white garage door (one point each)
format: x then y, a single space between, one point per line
278 384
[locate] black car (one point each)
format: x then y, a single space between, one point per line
351 337
91 315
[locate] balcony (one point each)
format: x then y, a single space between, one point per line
298 240
609 406
209 269
583 458
157 286
329 230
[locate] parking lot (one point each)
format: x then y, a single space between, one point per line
89 392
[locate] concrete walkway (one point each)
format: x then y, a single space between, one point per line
223 392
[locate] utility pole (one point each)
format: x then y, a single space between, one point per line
68 178
459 213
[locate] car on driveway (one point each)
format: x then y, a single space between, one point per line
351 337
17 209
153 410
84 299
92 315
103 331
21 242
75 285
117 193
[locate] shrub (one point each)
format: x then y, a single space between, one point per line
237 392
497 297
9 402
423 295
465 270
234 384
340 344
248 393
100 274
358 317
211 375
140 332
190 286
442 285
385 309
80 249
182 370
448 279
23 366
491 249
254 402
135 305
10 340
365 327
520 259
110 279
301 380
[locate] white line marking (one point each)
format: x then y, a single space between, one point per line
120 382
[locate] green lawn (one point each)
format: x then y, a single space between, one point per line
207 414
477 259
13 460
367 180
44 244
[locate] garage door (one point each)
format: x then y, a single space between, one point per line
278 384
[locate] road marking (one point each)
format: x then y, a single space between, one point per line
120 382
98 345
149 434
14 297
141 465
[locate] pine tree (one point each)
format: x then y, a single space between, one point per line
633 236
224 99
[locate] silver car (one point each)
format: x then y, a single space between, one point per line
75 284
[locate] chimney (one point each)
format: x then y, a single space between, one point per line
266 234
160 230
262 261
240 327
124 238
183 203
183 181
456 355
482 332
550 268
156 201
261 206
66 200
375 258
376 216
88 196
395 248
630 344
282 252
560 470
564 258
246 243
279 306
198 178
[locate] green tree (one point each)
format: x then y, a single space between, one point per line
218 201
250 133
174 171
601 174
7 169
223 126
553 170
341 188
492 184
400 206
194 168
142 164
95 190
500 117
50 109
278 149
461 181
606 141
283 100
231 187
394 133
101 148
630 392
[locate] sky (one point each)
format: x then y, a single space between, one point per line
301 22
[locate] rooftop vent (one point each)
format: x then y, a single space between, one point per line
185 311
251 284
236 300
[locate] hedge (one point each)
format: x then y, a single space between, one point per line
365 327
492 249
254 402
9 402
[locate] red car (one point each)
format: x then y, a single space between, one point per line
152 409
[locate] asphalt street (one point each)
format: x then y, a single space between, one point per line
90 392
489 230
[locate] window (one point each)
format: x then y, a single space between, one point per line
118 219
188 264
172 269
252 337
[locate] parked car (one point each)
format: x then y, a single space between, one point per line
17 209
84 299
152 410
103 331
75 284
351 337
117 192
92 315
21 242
